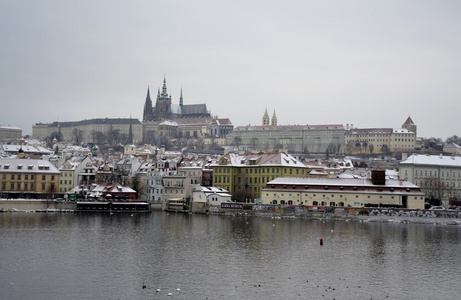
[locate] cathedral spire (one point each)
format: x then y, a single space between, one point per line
180 99
148 93
147 107
164 91
266 118
274 119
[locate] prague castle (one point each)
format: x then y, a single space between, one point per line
166 110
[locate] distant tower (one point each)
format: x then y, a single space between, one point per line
180 100
274 119
163 104
266 118
409 125
147 115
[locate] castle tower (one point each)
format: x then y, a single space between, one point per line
274 119
409 125
266 118
147 115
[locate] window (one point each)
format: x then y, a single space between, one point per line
12 176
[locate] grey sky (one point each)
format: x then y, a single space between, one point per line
367 63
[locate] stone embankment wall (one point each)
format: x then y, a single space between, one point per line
36 205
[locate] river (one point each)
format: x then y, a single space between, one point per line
102 256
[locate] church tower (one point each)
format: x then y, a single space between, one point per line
274 119
266 118
163 104
409 125
147 115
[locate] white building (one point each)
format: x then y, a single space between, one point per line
211 195
377 191
153 187
70 170
438 176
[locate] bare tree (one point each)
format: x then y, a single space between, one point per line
77 136
436 189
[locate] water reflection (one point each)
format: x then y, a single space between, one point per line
94 256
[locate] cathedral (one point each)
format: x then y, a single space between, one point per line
166 110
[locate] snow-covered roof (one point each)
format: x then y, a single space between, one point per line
291 127
26 148
437 160
452 145
359 182
260 159
9 127
18 165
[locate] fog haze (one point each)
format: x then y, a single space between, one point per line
367 63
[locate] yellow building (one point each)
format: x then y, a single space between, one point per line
28 178
376 191
249 173
380 140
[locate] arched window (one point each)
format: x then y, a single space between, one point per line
341 204
282 201
315 203
332 203
324 203
290 202
274 201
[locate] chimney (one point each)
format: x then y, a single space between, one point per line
378 176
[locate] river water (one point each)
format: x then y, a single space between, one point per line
102 256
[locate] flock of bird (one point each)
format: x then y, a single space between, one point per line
158 290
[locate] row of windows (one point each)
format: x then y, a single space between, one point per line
261 170
17 187
26 177
19 177
323 195
440 184
434 173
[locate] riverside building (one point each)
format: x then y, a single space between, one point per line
376 191
28 178
250 172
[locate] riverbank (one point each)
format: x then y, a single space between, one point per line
373 215
42 205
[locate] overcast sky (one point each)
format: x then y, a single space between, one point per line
367 63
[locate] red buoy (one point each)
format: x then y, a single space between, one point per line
321 242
